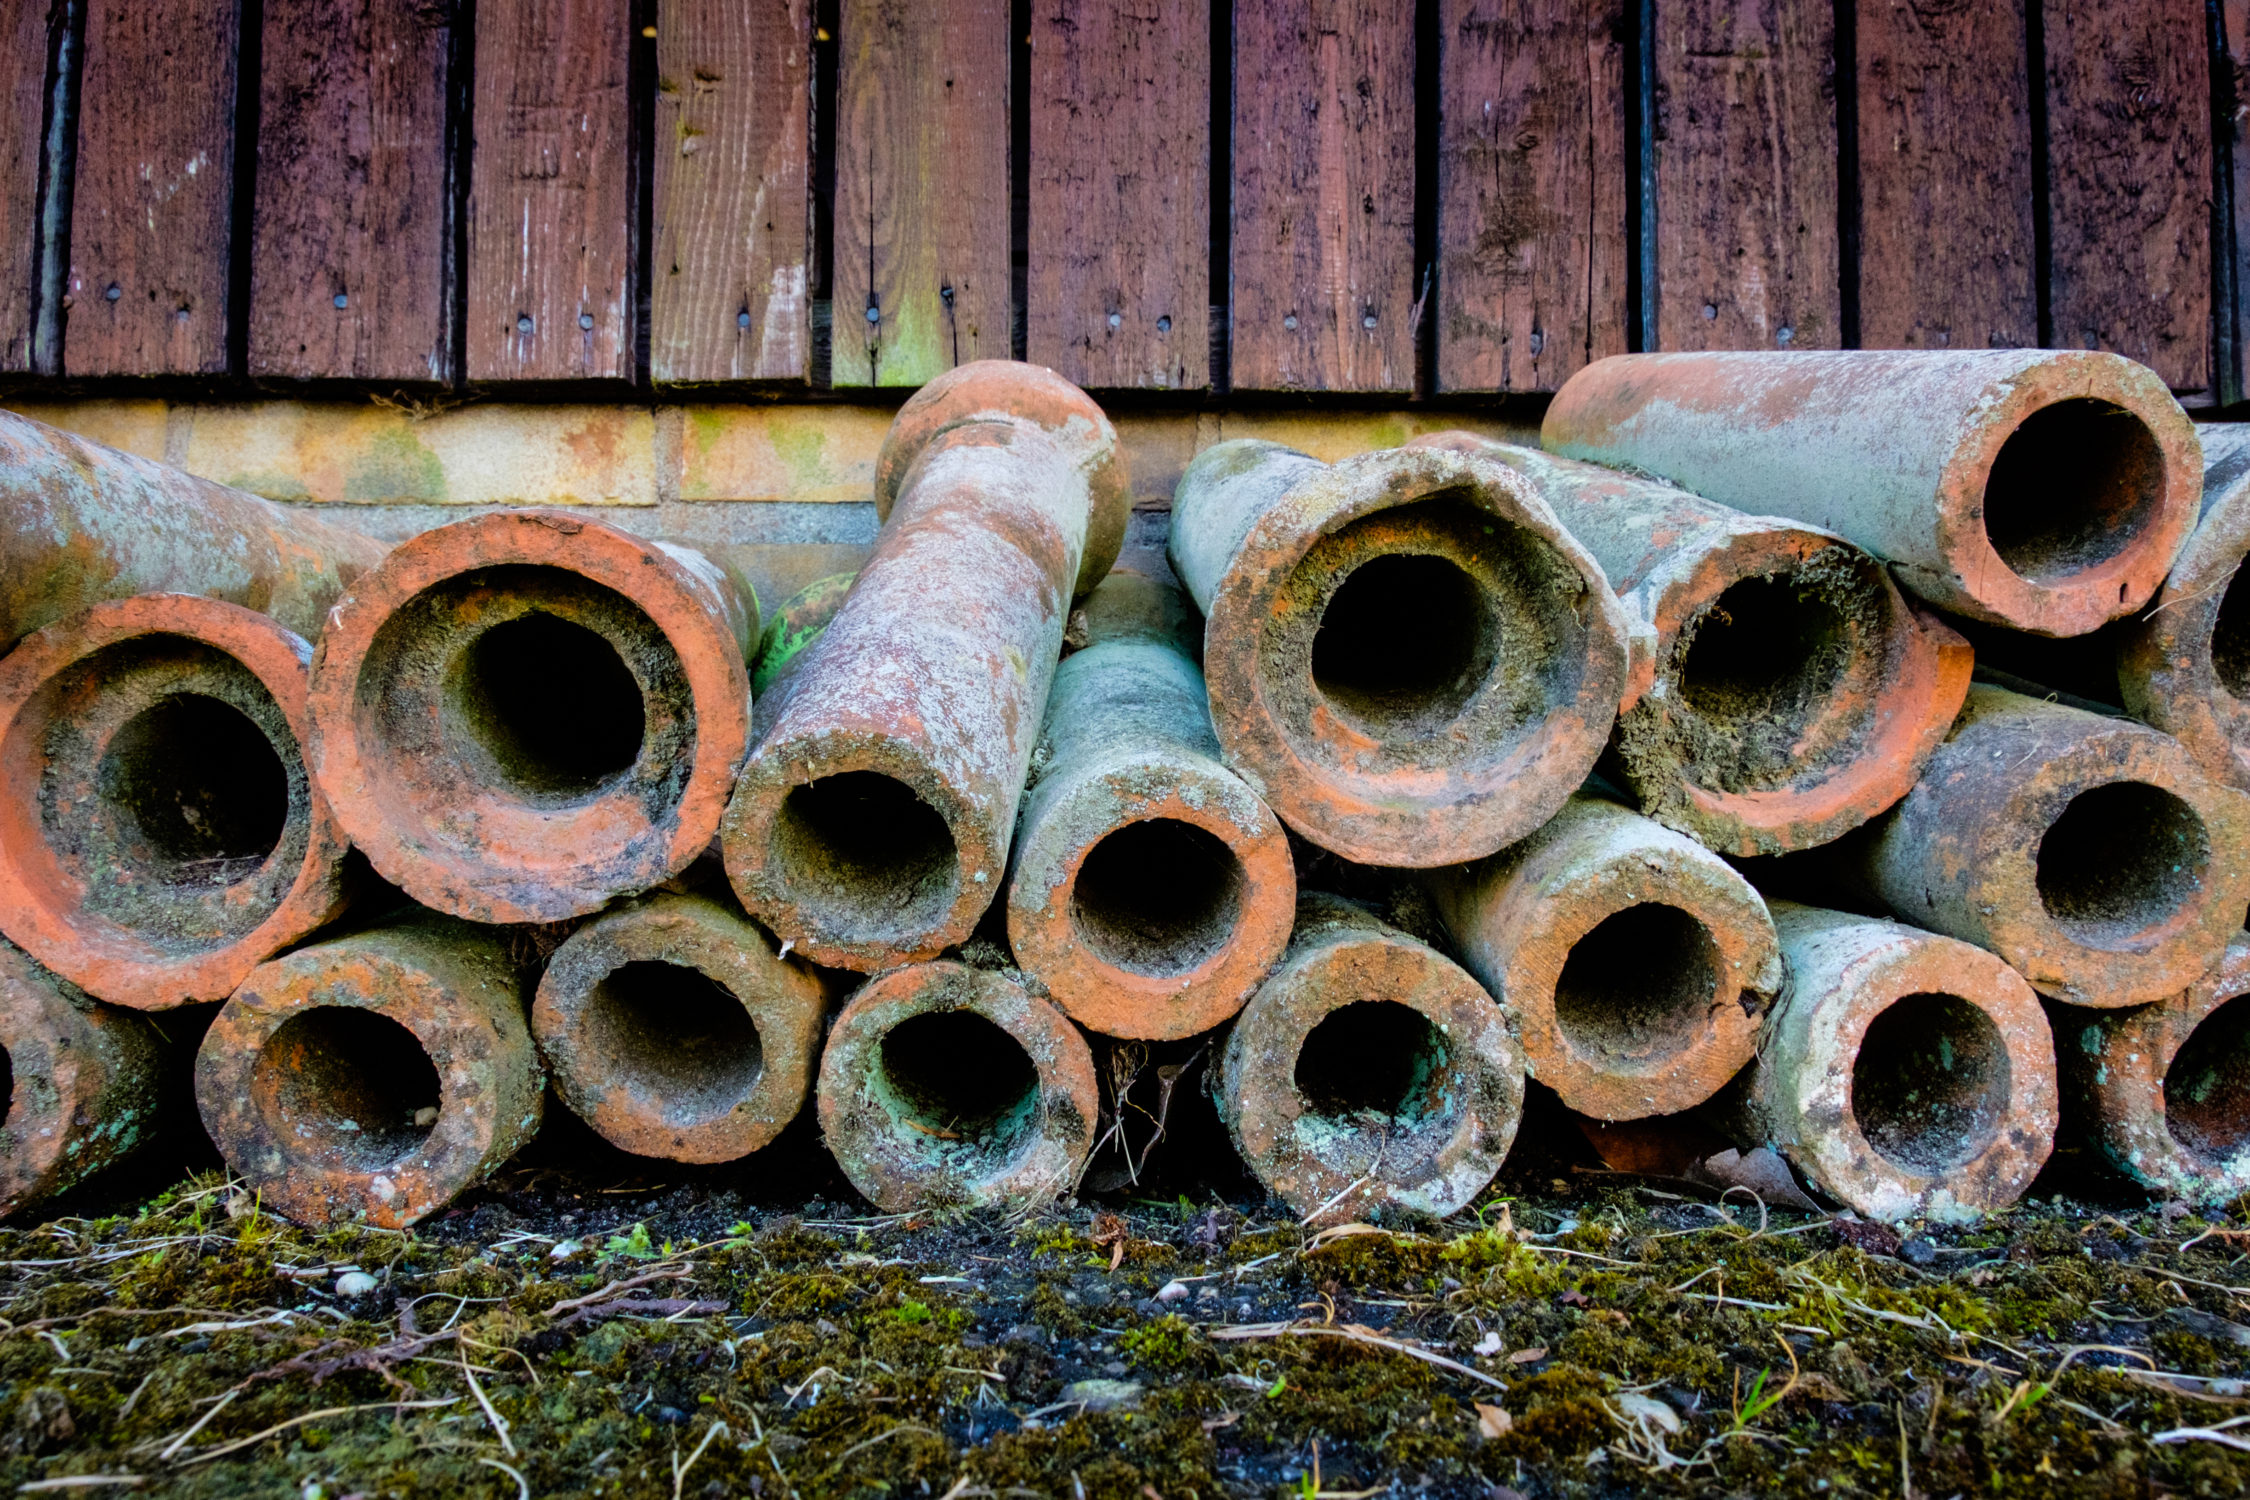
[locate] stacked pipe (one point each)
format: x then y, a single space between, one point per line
1663 767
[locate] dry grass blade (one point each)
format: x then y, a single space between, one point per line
523 1485
1354 1333
499 1423
2221 1434
238 1444
660 1273
679 1470
81 1482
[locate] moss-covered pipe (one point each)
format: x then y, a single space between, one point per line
85 1083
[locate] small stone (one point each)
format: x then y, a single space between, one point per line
426 1115
354 1284
1917 1252
564 1249
1172 1291
1104 1395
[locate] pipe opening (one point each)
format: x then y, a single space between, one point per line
956 1079
348 1087
1403 645
7 1088
197 790
675 1036
1374 1057
2071 488
1930 1084
552 704
1157 897
2230 637
2207 1088
1638 988
860 851
1766 648
2123 858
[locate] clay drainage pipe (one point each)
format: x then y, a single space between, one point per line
1408 657
374 1076
2164 1089
1369 1073
670 1026
1905 1074
943 1085
2088 851
1787 693
81 523
159 835
1637 963
83 1083
872 823
1152 890
2039 489
522 716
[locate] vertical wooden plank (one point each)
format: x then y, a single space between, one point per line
1947 258
1746 247
2129 172
550 285
732 222
921 280
1533 187
2232 89
152 202
1120 232
1323 235
23 123
351 240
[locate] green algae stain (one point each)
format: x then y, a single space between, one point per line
396 467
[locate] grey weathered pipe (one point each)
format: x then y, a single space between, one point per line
2045 490
1151 890
872 823
81 523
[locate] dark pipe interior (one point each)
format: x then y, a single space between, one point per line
2207 1088
349 1085
1374 1057
1404 643
1766 648
953 1076
1157 897
2230 637
675 1036
2071 488
1639 986
863 852
2124 857
198 787
1930 1084
552 703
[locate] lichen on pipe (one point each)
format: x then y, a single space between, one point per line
83 1083
2045 490
159 834
1151 890
2090 852
1369 1073
795 624
943 1085
375 1076
522 716
872 823
1906 1074
2163 1090
1408 658
2183 664
81 523
1786 692
671 1026
1637 964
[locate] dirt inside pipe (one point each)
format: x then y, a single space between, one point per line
1638 988
346 1085
1930 1085
668 1032
1374 1058
2207 1088
1158 897
552 703
2071 488
2124 857
861 851
961 1083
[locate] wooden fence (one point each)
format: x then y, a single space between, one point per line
1381 197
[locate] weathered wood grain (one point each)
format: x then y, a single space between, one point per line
2233 86
1947 255
351 241
2129 168
1533 187
1746 243
1120 228
732 154
1322 280
550 285
153 195
23 123
921 279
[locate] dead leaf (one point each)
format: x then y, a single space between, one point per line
1865 1235
1572 1298
1649 1411
1671 1146
1528 1356
1110 1234
1494 1421
1759 1170
1223 1419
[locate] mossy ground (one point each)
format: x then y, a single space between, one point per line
1642 1343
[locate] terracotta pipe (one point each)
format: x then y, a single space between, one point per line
2089 852
84 1083
872 823
944 1085
1369 1073
1636 963
159 835
2163 1090
522 716
1907 1075
2045 490
1408 658
374 1076
670 1026
1787 692
1152 890
81 524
